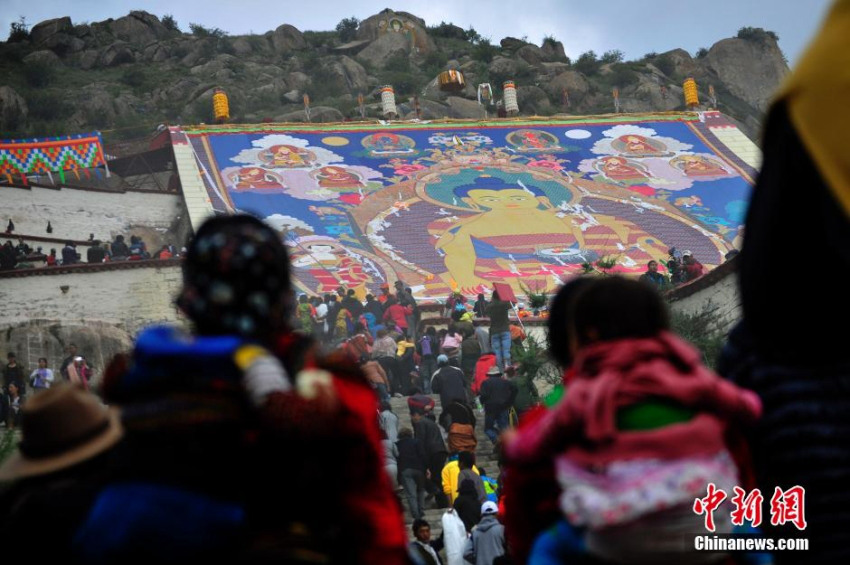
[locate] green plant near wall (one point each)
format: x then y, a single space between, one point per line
702 330
537 297
8 441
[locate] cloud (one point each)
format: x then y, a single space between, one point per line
250 156
282 221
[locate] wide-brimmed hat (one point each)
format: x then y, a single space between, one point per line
61 427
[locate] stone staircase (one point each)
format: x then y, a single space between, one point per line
483 458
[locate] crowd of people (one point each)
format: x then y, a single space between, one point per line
18 381
22 255
245 442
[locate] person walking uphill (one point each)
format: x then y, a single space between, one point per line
497 396
449 384
500 330
247 385
487 541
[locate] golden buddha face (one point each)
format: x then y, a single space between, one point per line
505 199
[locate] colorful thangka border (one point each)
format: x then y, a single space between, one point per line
22 157
460 205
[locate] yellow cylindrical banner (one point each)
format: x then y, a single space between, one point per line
691 94
221 106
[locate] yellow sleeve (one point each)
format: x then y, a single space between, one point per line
447 483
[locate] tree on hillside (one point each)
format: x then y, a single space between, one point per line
170 23
347 29
19 31
613 56
200 31
757 34
587 63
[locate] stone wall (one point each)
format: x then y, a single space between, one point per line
75 213
716 292
101 310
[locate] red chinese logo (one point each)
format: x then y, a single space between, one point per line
709 504
747 507
788 506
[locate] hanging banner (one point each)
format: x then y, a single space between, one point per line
21 157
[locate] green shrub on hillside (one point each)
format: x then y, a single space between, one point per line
170 23
587 63
484 50
200 31
757 34
19 31
347 29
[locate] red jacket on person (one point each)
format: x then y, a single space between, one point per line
397 314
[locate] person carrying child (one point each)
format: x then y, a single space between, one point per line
641 410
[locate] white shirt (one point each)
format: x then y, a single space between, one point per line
44 376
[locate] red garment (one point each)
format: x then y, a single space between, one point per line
346 458
481 367
693 270
165 254
51 260
614 374
421 403
397 313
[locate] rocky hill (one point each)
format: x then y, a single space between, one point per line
127 75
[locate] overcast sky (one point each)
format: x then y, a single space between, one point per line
634 26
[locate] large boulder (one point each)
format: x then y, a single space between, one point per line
502 68
512 44
428 110
97 341
647 95
13 109
384 48
156 52
532 100
751 70
287 38
139 28
345 74
317 114
575 84
389 22
463 108
681 63
43 30
116 54
44 57
87 59
531 54
64 44
298 80
553 50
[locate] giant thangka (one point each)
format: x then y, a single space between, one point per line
460 205
74 153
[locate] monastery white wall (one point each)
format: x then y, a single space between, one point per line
131 298
74 213
722 298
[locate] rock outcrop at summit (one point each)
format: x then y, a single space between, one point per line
151 72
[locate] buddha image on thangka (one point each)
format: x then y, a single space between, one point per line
386 143
286 156
247 178
321 265
516 227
